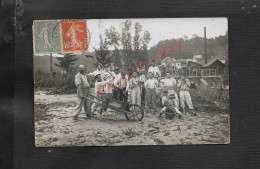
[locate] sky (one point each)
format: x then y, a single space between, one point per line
160 28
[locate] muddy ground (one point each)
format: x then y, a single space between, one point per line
54 125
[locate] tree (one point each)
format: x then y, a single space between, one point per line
145 41
113 38
66 61
126 41
128 49
102 54
137 39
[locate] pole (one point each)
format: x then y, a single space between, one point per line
102 66
205 39
51 63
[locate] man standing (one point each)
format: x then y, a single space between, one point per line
123 87
83 91
169 84
100 91
142 88
116 82
135 90
150 94
109 87
184 85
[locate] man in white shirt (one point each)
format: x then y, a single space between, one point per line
169 84
150 95
100 86
134 85
142 88
154 69
123 86
83 90
116 82
110 75
184 85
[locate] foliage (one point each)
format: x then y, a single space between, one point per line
43 80
133 48
216 47
102 54
116 58
112 37
66 61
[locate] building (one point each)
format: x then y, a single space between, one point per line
212 64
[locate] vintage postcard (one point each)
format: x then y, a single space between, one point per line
120 82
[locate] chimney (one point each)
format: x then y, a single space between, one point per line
205 39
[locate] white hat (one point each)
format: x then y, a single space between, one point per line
95 73
81 66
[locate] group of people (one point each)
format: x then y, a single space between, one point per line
136 87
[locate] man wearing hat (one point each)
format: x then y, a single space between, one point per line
184 85
169 105
100 90
83 90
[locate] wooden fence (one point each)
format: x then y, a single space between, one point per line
199 73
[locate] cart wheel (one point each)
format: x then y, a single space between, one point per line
135 112
98 110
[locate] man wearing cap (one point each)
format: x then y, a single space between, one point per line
154 69
169 105
83 86
184 85
100 90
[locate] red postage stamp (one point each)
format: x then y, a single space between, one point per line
74 36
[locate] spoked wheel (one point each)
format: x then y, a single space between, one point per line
99 109
135 112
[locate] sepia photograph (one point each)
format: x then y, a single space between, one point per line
131 82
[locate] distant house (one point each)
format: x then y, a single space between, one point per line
215 64
194 65
179 63
197 57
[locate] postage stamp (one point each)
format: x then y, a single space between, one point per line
46 36
74 36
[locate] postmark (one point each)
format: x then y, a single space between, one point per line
74 36
46 36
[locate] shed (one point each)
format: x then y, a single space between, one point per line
215 64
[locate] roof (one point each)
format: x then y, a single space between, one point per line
210 62
173 60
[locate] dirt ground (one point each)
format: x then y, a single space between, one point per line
54 126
